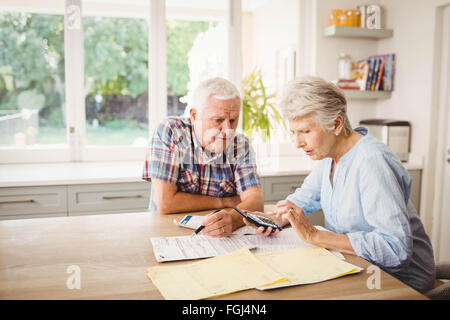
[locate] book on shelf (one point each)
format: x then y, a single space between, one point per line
388 77
381 72
380 76
376 73
348 84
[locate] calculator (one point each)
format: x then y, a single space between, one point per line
258 221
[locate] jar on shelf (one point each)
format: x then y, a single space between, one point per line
344 66
351 18
342 20
358 18
334 18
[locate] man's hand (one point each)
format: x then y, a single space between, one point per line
219 224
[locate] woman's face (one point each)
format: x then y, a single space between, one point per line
314 139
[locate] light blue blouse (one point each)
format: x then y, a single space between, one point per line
369 202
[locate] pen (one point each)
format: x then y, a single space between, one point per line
202 226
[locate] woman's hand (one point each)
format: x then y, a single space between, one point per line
289 212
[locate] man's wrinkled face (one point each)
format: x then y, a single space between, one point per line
215 126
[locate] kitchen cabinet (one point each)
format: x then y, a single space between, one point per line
77 199
117 197
276 188
108 198
31 202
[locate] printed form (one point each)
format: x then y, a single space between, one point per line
187 247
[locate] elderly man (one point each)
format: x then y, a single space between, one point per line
201 163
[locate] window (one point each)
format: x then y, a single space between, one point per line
116 80
269 55
87 80
32 93
196 48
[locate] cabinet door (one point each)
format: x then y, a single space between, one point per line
278 188
108 198
31 202
416 182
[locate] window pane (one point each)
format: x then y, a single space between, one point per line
116 85
32 97
196 48
268 54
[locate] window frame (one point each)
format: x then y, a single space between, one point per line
76 149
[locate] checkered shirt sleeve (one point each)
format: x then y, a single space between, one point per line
162 158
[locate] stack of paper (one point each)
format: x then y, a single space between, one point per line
306 265
217 276
241 270
187 247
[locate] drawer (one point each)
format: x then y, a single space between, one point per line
33 200
278 188
416 177
108 197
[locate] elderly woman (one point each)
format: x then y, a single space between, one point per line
358 182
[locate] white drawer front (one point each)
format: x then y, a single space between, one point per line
108 197
416 176
278 188
33 200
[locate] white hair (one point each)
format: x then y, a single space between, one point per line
315 96
220 88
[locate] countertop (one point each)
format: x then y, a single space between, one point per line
114 250
66 173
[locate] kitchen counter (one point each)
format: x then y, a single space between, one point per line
47 174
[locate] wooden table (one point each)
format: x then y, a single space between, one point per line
113 252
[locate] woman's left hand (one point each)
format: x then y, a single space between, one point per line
288 211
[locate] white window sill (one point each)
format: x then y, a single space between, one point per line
24 175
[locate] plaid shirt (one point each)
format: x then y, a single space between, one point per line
176 156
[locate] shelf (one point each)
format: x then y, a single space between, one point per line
355 32
366 95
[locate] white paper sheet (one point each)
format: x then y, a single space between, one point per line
187 247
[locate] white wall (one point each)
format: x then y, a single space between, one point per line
270 32
414 95
413 22
273 28
328 50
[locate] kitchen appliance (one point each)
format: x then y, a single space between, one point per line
394 133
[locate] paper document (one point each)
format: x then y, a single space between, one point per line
305 266
285 239
239 270
187 247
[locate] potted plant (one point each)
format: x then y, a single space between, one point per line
259 116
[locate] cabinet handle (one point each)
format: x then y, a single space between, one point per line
17 201
122 197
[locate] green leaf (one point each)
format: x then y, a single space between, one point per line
259 112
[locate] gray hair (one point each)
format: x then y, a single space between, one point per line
315 96
220 88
